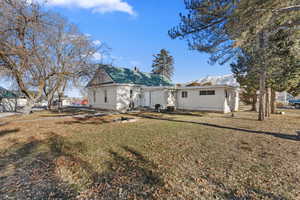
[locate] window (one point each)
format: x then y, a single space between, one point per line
184 94
207 92
131 94
105 96
94 96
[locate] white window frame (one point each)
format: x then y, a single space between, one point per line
206 92
184 94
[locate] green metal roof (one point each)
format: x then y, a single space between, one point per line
128 76
4 93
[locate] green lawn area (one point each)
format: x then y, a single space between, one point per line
160 156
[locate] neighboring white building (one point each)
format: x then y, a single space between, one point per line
284 97
123 89
8 100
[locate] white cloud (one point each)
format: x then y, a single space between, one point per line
101 6
97 56
97 42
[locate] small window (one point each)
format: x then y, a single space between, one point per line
94 96
184 94
105 96
131 94
207 92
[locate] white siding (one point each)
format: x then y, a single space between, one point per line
66 102
161 96
158 97
100 97
171 98
146 99
195 101
119 98
124 99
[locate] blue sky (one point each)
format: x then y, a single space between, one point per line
135 30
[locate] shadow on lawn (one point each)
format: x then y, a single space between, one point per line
86 121
3 123
279 135
68 112
5 132
185 113
58 115
27 172
38 174
129 177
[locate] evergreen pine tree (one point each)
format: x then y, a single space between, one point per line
247 77
224 27
163 64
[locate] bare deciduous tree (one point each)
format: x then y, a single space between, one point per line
70 56
23 27
41 52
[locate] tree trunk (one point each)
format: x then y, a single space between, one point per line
49 105
268 102
16 104
61 92
254 103
273 101
50 100
60 96
28 107
262 95
32 100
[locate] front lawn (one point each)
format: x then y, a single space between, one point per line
160 156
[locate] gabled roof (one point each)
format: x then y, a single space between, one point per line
4 93
128 76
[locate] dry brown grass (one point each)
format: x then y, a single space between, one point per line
162 156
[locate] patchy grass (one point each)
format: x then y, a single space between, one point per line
66 112
162 156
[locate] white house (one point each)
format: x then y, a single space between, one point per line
123 89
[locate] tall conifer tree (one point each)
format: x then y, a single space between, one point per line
224 27
163 64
